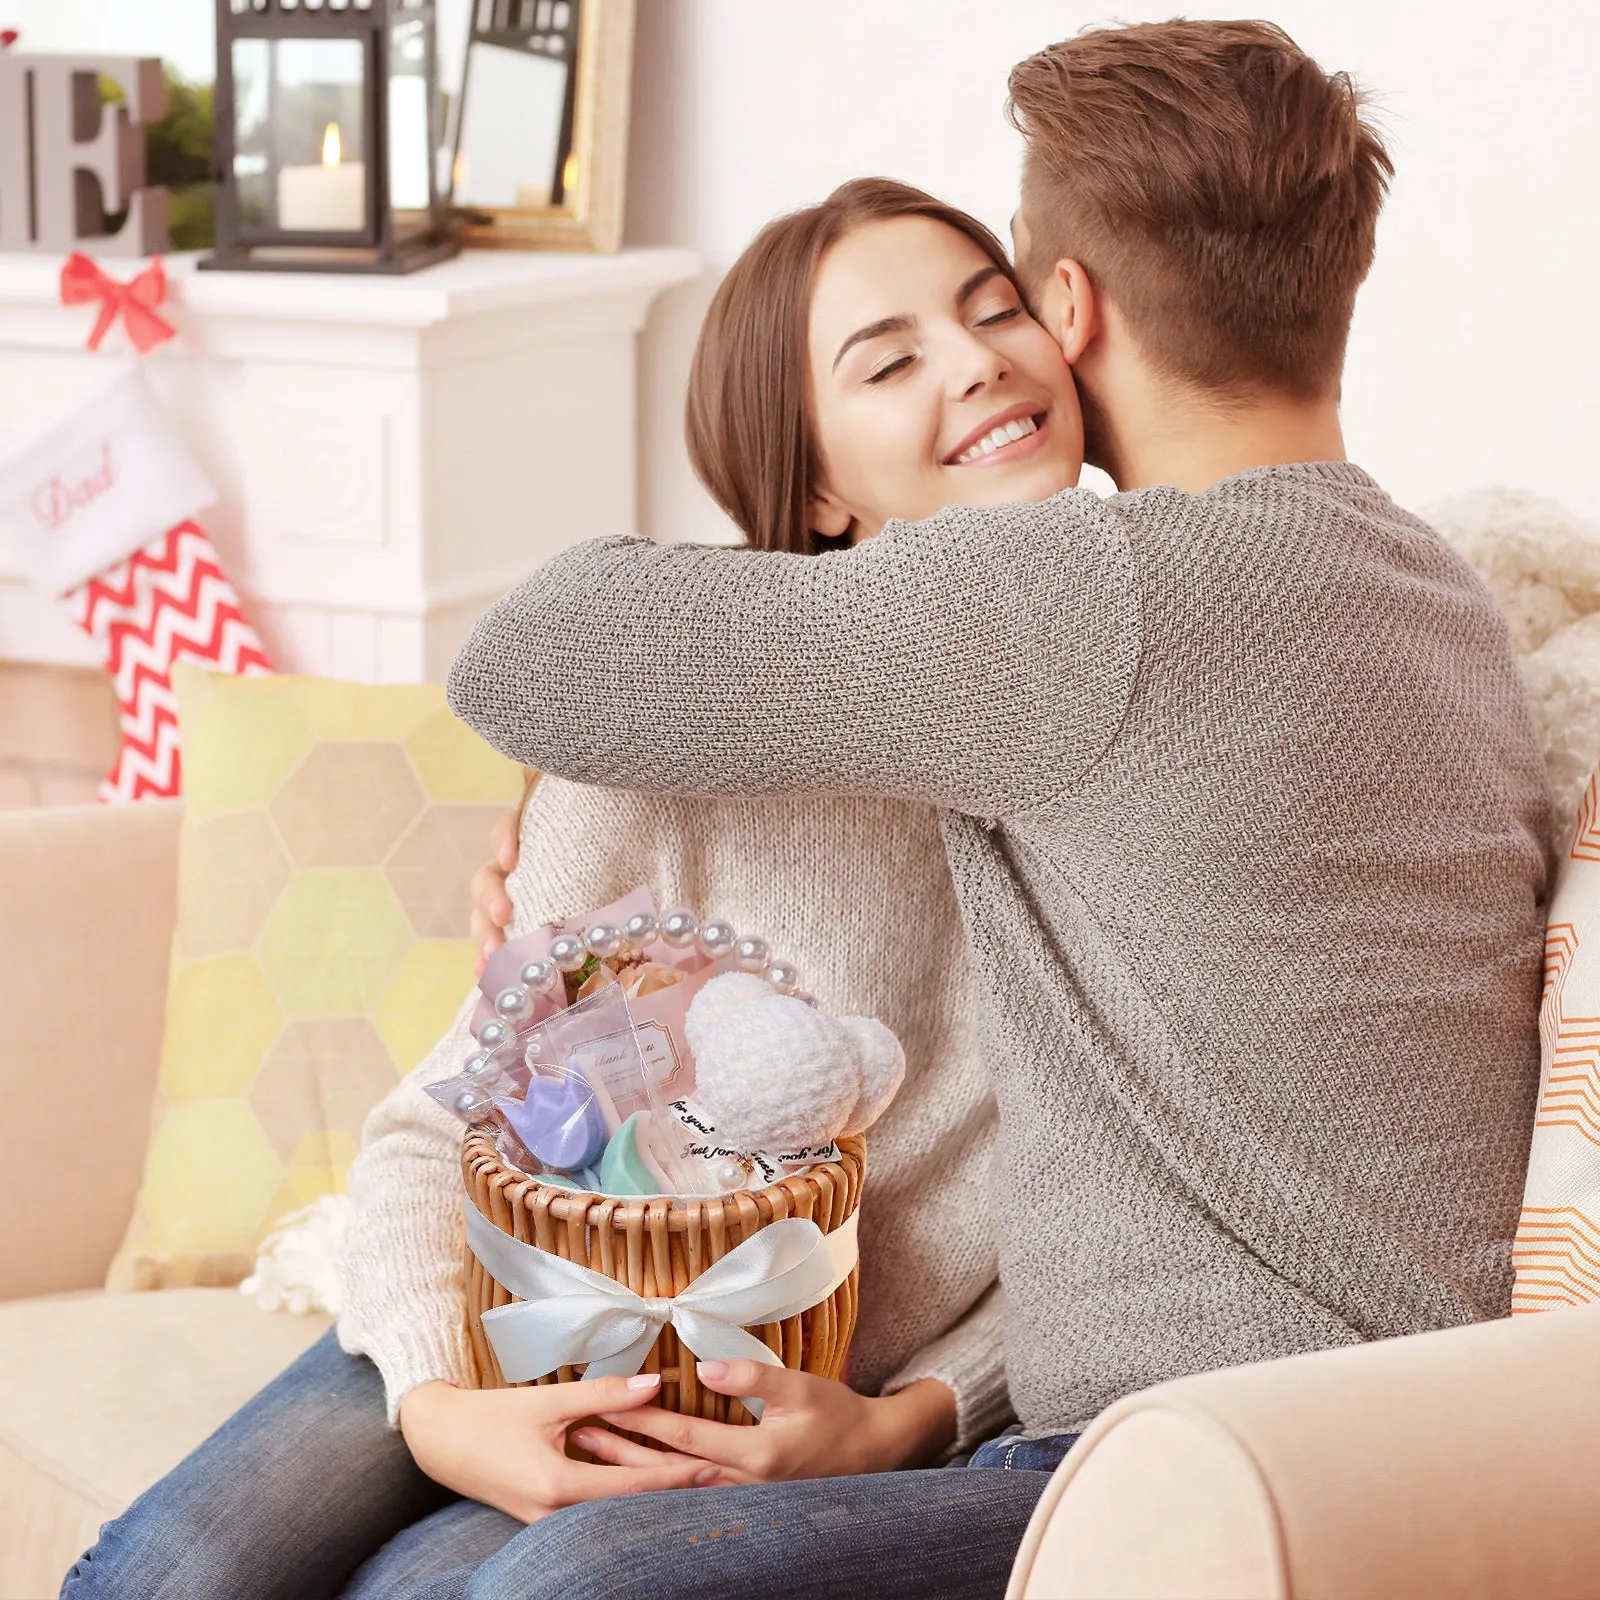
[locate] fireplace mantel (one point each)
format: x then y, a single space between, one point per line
390 452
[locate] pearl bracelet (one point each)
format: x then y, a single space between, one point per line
680 928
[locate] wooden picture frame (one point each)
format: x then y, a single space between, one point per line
590 216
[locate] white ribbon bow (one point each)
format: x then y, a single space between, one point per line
571 1315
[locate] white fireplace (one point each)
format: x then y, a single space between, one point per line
390 453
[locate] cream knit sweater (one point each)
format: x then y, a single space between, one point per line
858 893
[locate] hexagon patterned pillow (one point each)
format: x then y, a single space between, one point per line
329 833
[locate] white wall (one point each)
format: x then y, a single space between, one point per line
1476 353
182 31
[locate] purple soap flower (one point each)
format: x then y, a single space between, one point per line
560 1121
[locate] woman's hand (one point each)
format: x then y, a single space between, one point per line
507 1447
491 905
810 1427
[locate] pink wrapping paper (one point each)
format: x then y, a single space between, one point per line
658 1018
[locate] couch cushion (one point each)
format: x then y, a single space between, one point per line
329 833
102 1395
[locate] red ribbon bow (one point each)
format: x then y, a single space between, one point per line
135 301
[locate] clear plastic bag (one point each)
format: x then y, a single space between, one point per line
560 1119
600 1042
470 1093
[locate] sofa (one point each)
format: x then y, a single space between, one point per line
1455 1464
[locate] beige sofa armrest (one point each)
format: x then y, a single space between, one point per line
1457 1463
88 901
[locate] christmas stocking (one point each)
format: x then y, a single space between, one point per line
101 503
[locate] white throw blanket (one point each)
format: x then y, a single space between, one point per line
297 1269
1542 564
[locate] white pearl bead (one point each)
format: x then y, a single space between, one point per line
567 952
751 953
494 1033
539 976
601 939
469 1102
805 999
730 1175
640 929
679 926
476 1064
784 976
717 938
514 1004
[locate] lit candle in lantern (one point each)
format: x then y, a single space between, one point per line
332 196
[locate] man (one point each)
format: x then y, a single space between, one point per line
1262 966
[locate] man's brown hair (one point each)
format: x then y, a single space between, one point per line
1219 188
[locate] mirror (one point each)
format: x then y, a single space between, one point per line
537 95
515 132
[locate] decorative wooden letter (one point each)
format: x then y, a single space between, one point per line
16 139
67 160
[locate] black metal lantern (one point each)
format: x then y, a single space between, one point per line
327 136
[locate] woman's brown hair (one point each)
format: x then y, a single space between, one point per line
749 421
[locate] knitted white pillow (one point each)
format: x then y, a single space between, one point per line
1542 564
774 1074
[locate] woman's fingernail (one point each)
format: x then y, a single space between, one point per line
585 1438
714 1370
488 949
706 1475
644 1380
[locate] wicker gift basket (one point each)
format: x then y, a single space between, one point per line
658 1247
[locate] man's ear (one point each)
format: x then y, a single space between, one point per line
828 516
1071 308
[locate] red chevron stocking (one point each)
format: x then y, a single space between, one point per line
101 503
168 602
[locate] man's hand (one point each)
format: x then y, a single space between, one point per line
810 1427
507 1447
491 905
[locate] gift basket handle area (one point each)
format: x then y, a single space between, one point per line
657 1248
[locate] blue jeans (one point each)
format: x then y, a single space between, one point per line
307 1494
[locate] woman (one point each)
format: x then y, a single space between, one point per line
858 892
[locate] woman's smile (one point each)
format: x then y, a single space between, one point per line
1011 435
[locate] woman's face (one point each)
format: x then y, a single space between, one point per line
932 386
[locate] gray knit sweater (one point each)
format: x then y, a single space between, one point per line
1245 809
